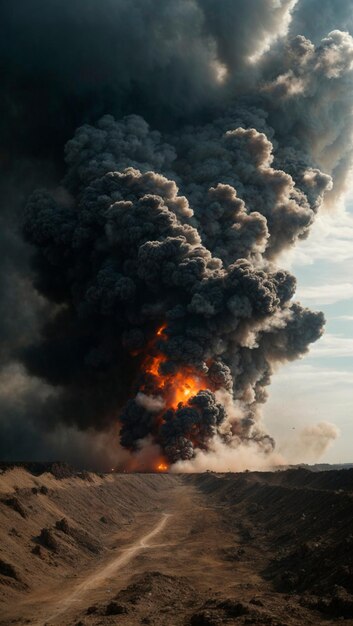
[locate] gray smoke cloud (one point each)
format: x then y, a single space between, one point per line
220 135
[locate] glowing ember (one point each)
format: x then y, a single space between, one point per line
161 330
162 467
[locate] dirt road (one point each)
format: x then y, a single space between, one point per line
98 577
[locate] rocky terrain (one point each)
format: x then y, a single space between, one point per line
82 549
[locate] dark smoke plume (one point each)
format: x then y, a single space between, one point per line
122 253
218 138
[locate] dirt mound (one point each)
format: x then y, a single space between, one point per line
16 505
331 480
228 611
8 570
47 539
113 608
155 587
56 468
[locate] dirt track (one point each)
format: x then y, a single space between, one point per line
98 577
188 551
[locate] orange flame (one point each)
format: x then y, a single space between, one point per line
161 330
175 388
162 467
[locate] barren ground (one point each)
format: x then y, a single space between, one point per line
201 550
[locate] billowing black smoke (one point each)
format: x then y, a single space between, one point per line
121 252
178 227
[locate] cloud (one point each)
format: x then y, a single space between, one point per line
326 294
331 239
345 318
308 374
333 346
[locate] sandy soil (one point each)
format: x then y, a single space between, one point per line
200 550
99 576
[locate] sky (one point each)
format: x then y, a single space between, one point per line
319 387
